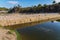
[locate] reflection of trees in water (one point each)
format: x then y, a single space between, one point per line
52 21
40 33
44 31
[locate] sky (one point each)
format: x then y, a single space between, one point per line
24 3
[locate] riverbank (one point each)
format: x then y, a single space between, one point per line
17 19
6 34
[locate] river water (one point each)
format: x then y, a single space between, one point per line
43 31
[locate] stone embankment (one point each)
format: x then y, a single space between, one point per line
13 19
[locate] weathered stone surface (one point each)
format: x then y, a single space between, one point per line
13 19
6 34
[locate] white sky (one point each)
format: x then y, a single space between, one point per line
13 2
57 1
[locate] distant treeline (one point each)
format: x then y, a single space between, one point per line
3 9
53 8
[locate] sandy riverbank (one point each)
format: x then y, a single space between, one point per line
6 34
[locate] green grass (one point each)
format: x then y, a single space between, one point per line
17 33
11 31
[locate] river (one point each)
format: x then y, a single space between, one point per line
43 31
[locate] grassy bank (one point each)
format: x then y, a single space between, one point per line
9 34
18 34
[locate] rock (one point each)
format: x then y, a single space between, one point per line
6 34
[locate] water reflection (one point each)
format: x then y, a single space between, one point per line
44 31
